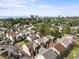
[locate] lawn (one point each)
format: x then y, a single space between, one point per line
4 55
74 50
19 44
1 57
72 53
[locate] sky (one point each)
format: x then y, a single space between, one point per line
39 7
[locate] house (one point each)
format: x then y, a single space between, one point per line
66 42
49 37
44 39
14 36
26 32
32 37
17 25
3 30
3 39
23 33
69 36
58 48
21 26
47 54
30 48
74 29
38 34
31 27
14 52
41 50
40 41
58 40
11 36
20 35
4 42
1 36
43 42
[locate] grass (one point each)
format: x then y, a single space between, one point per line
74 50
19 44
4 55
1 57
72 53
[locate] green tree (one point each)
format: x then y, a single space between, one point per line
41 28
55 32
8 24
78 30
66 29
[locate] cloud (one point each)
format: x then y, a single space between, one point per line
33 0
10 5
52 10
47 10
15 3
69 10
28 7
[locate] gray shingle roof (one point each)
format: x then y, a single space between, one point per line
49 37
33 37
13 34
67 41
32 45
40 40
42 50
47 54
50 54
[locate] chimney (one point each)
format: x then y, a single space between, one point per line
47 44
31 51
37 49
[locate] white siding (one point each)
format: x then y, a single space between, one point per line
28 38
7 35
11 38
39 57
26 50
